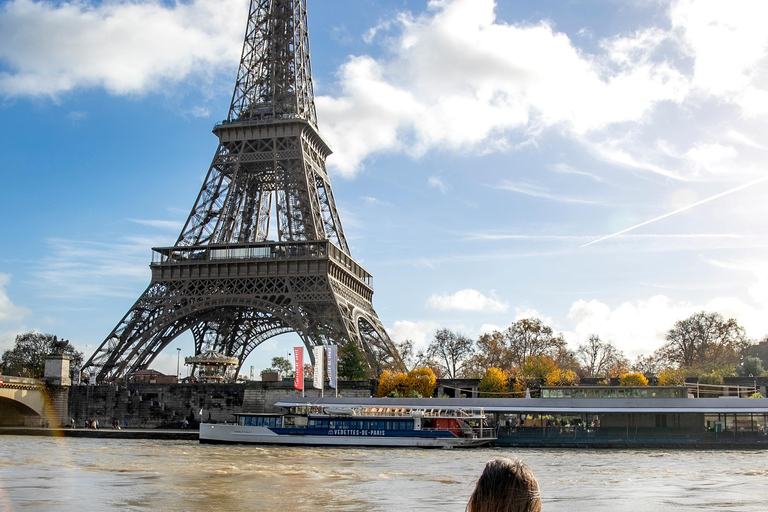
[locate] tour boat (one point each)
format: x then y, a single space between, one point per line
305 422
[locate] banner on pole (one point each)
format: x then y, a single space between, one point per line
332 358
318 352
298 374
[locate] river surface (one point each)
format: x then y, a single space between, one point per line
49 474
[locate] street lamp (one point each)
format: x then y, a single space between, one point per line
178 357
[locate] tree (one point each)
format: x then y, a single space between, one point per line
423 381
451 351
493 384
419 382
538 367
649 366
407 355
530 337
671 377
704 340
561 377
598 357
351 363
751 367
633 379
27 357
280 365
490 352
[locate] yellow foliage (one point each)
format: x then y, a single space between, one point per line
538 367
560 377
422 381
670 377
493 384
418 380
633 379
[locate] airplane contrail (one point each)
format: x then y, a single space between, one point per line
684 208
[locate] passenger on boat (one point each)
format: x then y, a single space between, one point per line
505 486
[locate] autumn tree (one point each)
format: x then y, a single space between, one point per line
598 357
419 382
704 340
451 351
493 384
423 381
633 379
490 352
27 357
530 337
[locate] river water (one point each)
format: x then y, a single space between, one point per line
48 474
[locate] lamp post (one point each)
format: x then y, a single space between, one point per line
178 358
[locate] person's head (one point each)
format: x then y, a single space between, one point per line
505 486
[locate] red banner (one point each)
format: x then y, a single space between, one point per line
298 374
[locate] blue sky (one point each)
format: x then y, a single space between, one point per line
478 147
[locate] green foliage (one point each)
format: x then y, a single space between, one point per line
352 366
27 357
756 394
633 379
751 366
282 364
493 384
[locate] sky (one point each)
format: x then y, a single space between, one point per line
480 148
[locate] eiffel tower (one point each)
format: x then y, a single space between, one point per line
227 279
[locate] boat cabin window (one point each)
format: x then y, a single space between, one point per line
361 424
260 421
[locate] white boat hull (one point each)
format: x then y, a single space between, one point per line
238 434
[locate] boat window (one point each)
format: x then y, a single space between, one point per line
331 424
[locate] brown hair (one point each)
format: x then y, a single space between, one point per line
505 486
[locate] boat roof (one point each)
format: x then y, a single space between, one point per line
550 405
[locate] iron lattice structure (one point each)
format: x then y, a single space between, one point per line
225 279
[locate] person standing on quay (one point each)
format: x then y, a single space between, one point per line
505 486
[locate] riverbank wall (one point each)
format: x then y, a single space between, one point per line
169 405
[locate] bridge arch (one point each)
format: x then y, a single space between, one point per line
21 404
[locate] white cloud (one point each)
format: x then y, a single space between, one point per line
11 316
9 312
172 225
77 269
640 327
728 42
126 47
466 300
436 182
419 333
458 77
532 190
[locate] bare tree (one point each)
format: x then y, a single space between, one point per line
650 366
597 357
704 338
530 337
451 351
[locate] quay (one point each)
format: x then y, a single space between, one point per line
108 433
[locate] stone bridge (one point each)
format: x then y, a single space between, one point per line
30 402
